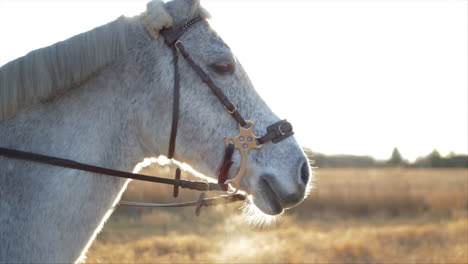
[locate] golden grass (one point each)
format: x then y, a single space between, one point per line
354 216
392 192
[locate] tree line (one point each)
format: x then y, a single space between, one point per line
432 160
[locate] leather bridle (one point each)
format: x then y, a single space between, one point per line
244 142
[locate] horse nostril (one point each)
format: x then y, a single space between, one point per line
305 174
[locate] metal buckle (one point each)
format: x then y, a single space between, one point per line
231 112
177 42
279 133
282 133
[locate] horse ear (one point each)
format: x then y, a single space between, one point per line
196 9
184 10
156 18
204 13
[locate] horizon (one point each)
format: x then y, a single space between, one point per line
422 156
362 77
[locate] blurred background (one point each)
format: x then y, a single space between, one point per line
354 215
377 93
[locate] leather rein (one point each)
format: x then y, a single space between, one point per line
245 141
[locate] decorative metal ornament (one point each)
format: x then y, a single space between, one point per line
245 141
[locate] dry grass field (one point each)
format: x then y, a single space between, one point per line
353 216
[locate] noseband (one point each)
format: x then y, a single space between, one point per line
245 141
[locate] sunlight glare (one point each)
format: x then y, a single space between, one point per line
256 218
163 161
250 213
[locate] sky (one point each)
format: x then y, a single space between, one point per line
353 77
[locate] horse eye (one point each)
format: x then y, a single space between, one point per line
224 67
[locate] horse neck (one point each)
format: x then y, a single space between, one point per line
96 124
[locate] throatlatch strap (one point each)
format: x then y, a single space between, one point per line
175 104
170 38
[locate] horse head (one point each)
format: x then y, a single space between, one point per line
277 174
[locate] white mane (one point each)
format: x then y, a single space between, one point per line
47 72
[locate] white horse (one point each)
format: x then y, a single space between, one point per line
104 97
